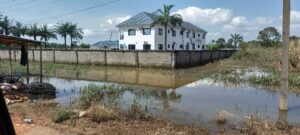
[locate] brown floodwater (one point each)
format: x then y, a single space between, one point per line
187 96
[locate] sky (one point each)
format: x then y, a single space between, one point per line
98 18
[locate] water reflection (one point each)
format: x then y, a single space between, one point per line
184 96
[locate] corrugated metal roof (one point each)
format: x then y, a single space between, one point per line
145 18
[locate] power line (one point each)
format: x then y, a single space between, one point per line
75 11
37 5
18 4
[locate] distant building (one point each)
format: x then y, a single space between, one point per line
136 34
106 45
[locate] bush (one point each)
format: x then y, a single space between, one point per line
95 94
254 54
63 115
137 111
99 113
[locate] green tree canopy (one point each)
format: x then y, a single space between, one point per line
34 31
19 29
221 42
6 25
46 33
269 36
237 39
75 33
62 29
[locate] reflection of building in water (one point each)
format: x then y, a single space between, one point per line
158 78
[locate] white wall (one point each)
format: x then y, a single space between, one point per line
154 39
139 39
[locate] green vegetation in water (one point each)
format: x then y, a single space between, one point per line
137 111
96 94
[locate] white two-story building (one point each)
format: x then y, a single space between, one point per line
136 34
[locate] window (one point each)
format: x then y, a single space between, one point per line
173 45
187 46
198 46
160 31
121 37
193 46
147 47
147 31
203 36
131 47
203 47
160 47
181 47
194 35
198 35
181 32
131 32
168 31
174 33
169 46
187 35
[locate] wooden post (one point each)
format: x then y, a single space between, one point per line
41 64
283 105
10 64
27 66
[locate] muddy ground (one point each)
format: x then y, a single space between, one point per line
41 113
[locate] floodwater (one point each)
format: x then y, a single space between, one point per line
185 96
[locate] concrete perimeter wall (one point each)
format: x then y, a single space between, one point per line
151 59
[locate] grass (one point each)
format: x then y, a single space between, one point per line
63 115
96 94
99 113
136 111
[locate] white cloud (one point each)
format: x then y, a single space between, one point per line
295 17
205 17
241 24
88 32
117 20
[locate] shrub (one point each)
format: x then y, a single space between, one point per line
137 111
99 113
63 115
95 94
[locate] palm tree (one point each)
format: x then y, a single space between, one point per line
6 25
221 42
19 29
165 18
283 105
75 33
237 39
46 34
62 29
34 31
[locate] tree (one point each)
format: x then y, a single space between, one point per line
221 42
19 29
165 18
46 34
284 86
268 36
237 39
229 43
63 30
75 33
33 31
6 25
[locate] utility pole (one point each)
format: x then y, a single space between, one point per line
284 88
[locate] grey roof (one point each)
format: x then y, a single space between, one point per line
101 44
145 18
